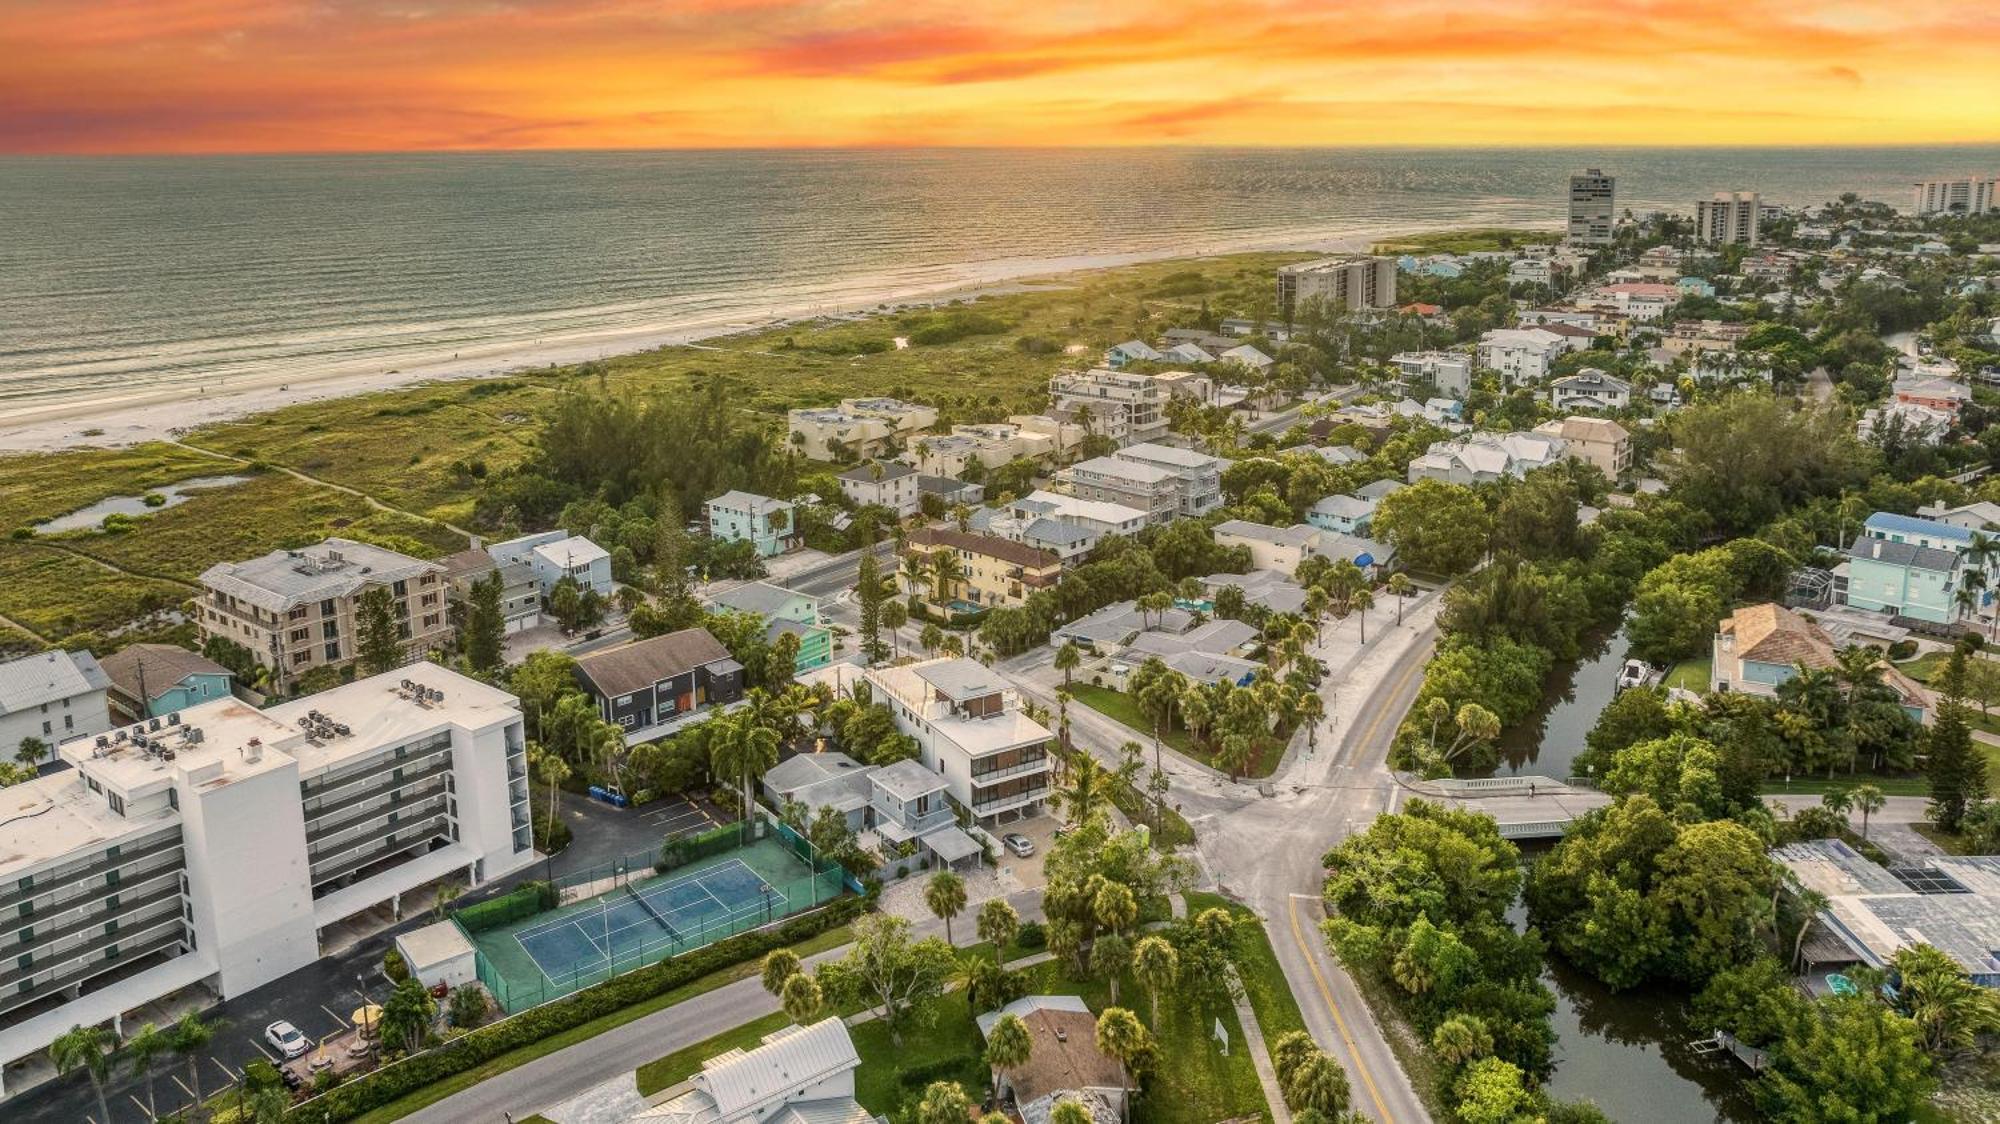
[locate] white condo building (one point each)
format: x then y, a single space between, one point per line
1973 196
1729 219
211 847
970 729
1125 406
1593 207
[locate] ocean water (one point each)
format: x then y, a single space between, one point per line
128 274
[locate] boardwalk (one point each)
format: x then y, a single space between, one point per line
1524 807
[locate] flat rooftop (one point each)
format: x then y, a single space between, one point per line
226 726
1951 903
47 818
380 713
914 685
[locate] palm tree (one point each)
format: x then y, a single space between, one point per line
945 574
742 747
1837 801
998 924
554 771
1311 709
141 1051
1317 1084
895 614
1008 1047
1085 793
191 1036
1868 800
945 895
1949 1009
1979 555
1155 963
944 1102
1068 1111
1316 605
780 965
1120 1035
1069 657
1156 603
1115 906
87 1048
1461 1039
1400 586
1110 955
802 998
30 752
1361 602
269 1105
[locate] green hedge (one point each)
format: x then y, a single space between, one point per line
522 902
684 849
372 1091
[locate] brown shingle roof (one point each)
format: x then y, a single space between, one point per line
1771 633
166 665
621 671
1006 550
1064 1056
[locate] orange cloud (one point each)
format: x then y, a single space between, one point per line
306 75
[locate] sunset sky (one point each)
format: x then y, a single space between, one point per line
330 75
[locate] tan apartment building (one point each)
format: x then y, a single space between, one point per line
993 571
1126 406
296 610
1598 441
858 428
1352 283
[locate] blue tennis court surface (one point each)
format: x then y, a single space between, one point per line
623 923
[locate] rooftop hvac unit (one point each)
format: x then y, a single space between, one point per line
103 742
437 694
195 736
174 719
341 729
153 726
253 752
407 684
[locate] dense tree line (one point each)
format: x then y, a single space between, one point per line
1153 562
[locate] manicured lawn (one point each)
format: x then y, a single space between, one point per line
1196 1083
1923 667
1690 675
1815 787
678 1066
945 1046
1264 982
431 1094
1120 707
1952 842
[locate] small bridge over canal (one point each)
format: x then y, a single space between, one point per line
1524 807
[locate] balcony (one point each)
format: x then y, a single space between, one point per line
1037 765
988 805
320 786
173 940
146 881
400 800
404 837
57 880
409 780
49 935
64 965
391 822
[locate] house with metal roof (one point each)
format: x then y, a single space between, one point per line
784 612
655 687
1902 579
52 696
1951 903
798 1075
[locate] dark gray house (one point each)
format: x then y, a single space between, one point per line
654 687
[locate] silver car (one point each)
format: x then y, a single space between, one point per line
1020 845
286 1039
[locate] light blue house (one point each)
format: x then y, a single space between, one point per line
772 526
1902 579
1347 515
1932 533
1760 648
167 678
1695 287
784 611
1132 351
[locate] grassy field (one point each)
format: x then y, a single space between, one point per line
1120 707
946 1047
1471 241
421 450
1690 675
665 1073
1264 983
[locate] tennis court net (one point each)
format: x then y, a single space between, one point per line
654 913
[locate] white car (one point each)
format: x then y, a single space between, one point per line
1019 844
286 1039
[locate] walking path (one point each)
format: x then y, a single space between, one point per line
364 497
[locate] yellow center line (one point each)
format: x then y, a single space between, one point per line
1312 962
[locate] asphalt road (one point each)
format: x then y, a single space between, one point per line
835 574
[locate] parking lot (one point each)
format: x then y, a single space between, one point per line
1027 874
681 815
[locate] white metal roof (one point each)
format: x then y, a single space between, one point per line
47 677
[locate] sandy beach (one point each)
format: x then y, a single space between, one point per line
153 414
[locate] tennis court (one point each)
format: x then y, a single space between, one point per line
649 907
623 922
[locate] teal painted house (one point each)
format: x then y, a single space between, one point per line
770 525
1902 579
784 611
165 677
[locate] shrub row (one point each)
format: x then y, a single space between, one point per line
523 901
391 1082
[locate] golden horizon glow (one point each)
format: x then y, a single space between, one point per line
185 76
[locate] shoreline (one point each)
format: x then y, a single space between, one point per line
164 413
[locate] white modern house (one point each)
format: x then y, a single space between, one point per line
887 484
798 1075
50 696
1590 389
1481 458
1199 490
1521 354
212 847
555 555
1450 370
970 729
